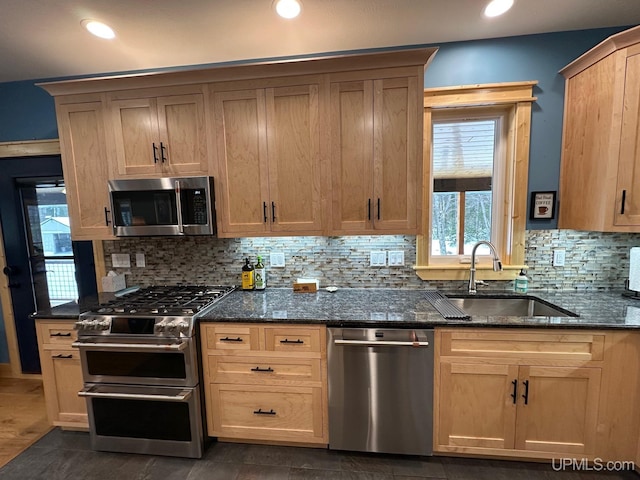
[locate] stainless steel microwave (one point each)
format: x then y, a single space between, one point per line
163 206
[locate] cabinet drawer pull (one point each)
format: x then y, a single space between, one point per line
624 197
273 212
286 340
227 339
514 395
369 209
106 216
60 334
262 412
264 211
258 369
378 209
155 153
526 392
63 356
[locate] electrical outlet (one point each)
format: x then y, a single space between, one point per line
140 261
378 259
558 258
396 258
276 259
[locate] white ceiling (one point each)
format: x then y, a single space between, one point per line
44 39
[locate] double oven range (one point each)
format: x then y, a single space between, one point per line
140 366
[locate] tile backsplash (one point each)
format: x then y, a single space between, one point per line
594 261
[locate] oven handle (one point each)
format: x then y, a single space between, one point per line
130 346
179 206
182 397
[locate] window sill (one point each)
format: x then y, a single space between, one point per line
461 272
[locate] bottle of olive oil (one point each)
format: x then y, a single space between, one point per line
260 275
248 279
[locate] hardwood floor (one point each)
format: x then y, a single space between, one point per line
23 416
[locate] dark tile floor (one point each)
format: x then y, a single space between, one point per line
66 455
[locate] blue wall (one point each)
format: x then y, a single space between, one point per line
27 112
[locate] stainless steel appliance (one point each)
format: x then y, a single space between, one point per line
139 359
162 206
381 390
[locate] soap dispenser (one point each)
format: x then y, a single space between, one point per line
521 283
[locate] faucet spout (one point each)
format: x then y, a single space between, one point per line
497 264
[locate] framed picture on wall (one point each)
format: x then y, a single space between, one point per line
543 205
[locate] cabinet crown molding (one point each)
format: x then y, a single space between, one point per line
608 46
245 71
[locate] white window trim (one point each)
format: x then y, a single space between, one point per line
516 98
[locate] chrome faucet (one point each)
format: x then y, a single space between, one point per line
497 265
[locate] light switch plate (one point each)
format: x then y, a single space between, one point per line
122 260
276 259
396 258
558 257
140 260
378 259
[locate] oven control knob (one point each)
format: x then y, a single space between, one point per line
160 327
104 325
182 326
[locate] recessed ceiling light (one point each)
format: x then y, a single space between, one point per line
497 7
288 8
98 29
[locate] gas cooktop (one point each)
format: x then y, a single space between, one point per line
183 300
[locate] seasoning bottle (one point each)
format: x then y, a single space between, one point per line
260 275
248 279
521 283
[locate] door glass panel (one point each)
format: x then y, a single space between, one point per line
49 243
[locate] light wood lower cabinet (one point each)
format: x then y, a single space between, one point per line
61 374
535 393
266 382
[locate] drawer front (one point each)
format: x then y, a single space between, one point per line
267 413
522 345
57 333
294 340
231 337
264 370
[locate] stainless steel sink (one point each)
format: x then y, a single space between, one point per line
501 306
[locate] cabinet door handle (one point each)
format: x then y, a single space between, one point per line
514 395
258 369
624 197
273 212
106 216
264 211
162 149
155 153
63 356
227 339
262 412
60 334
286 340
378 209
368 209
526 392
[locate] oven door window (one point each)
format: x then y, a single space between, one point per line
137 364
147 419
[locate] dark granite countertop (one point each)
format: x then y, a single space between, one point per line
409 309
389 308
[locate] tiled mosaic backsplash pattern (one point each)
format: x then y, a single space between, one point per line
594 261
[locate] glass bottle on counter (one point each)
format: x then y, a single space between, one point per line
260 275
248 278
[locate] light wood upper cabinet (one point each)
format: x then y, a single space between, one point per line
85 165
376 151
163 135
600 168
268 149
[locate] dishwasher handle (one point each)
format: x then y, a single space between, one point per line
418 341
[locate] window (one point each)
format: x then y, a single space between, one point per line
476 165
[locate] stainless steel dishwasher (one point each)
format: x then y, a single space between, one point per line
381 390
